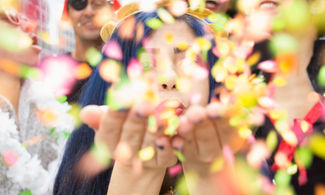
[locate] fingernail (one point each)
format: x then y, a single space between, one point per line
160 147
160 128
214 117
139 115
123 110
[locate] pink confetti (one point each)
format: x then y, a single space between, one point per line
175 170
195 98
228 155
57 73
113 50
134 69
268 66
10 158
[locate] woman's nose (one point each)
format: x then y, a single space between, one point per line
169 80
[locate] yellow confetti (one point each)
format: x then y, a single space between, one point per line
147 153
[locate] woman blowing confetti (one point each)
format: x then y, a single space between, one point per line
32 122
151 59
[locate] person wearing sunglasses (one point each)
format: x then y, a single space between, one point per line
87 18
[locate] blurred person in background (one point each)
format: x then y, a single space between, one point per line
32 121
87 17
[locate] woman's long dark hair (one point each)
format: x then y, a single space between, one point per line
67 182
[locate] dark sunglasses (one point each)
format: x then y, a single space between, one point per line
82 4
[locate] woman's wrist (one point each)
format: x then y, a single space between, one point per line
127 180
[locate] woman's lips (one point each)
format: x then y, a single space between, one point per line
172 104
212 5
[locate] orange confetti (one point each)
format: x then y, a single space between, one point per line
9 66
83 71
287 63
47 116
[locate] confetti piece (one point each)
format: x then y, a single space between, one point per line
304 157
10 158
219 21
272 140
145 58
172 126
292 169
178 8
296 22
245 132
279 81
175 170
48 117
147 153
123 152
283 43
228 155
126 29
27 192
257 154
33 140
317 145
152 124
101 153
110 70
248 100
287 63
56 73
165 16
169 38
154 23
62 99
83 71
113 50
9 66
281 159
217 165
290 137
74 111
93 56
282 178
253 59
321 77
179 155
268 66
13 39
134 69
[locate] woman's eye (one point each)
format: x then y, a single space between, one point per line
268 5
177 50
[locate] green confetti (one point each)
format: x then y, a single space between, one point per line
172 126
219 21
101 153
165 16
147 153
152 123
299 20
182 187
304 156
27 192
154 23
283 43
66 135
321 77
13 39
282 178
52 131
62 99
28 72
145 59
179 155
93 56
271 140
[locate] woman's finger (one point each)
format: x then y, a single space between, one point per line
92 115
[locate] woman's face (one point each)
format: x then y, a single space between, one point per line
28 56
169 64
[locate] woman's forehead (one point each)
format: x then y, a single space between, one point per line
179 31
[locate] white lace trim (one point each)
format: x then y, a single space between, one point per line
28 171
